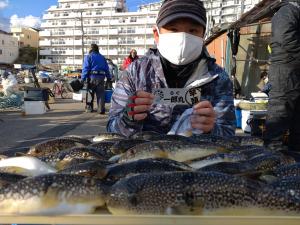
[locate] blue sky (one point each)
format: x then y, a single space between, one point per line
36 8
29 12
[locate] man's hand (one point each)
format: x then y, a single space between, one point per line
140 105
204 117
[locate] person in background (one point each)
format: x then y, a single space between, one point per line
266 84
94 71
113 70
129 59
284 77
179 60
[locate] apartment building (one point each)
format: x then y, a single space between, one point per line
70 27
221 13
26 36
9 49
116 31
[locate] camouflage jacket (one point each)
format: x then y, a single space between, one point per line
146 74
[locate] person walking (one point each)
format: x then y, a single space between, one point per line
94 71
129 59
284 77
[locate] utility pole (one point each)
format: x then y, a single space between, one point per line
109 20
82 36
37 57
242 7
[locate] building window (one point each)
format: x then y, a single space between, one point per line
133 19
2 42
0 51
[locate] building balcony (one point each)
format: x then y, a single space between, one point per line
65 52
216 13
111 52
231 11
45 52
229 4
47 16
53 7
45 43
216 5
228 20
45 61
45 33
113 42
73 61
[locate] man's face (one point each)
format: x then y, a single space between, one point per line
180 25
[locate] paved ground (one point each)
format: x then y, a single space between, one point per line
66 117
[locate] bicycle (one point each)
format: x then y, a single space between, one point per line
61 88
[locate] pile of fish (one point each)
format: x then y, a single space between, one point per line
150 173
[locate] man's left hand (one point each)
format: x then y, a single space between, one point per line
204 117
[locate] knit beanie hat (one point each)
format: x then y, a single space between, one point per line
174 9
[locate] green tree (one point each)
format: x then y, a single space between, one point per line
27 55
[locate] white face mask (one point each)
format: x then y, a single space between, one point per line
180 48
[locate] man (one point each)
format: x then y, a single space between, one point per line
178 61
284 76
94 71
265 82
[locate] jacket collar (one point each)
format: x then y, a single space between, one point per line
202 75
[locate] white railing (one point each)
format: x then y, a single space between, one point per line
44 33
45 43
73 61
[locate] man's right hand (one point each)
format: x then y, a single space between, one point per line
140 105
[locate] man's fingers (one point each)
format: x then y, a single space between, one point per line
143 94
204 112
143 101
141 108
202 120
204 104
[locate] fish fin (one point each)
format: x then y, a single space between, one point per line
251 174
51 198
268 178
222 149
61 165
161 154
102 173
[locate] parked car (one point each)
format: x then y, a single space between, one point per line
43 77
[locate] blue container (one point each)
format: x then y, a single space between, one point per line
238 116
108 94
